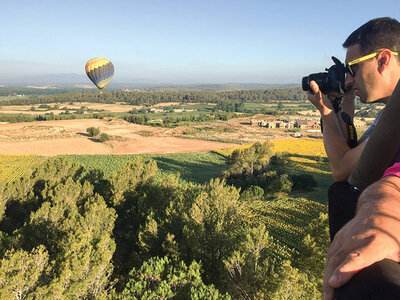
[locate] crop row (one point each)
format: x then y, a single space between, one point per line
15 166
287 219
196 167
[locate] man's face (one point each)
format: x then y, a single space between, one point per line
365 82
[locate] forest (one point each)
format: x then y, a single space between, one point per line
219 105
154 97
68 232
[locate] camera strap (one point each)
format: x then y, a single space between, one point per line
350 128
336 104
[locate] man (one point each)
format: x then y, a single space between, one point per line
369 243
374 79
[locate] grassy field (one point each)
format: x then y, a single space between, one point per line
286 217
305 155
195 167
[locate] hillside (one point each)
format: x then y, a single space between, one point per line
142 217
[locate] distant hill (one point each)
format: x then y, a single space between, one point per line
68 79
74 80
224 87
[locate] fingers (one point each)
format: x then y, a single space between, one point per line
350 94
348 266
315 88
346 270
353 263
329 292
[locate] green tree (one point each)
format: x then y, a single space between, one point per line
214 228
159 278
257 272
247 161
21 272
312 251
70 227
280 185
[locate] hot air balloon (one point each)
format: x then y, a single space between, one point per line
99 71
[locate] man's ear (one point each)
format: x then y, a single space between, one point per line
384 59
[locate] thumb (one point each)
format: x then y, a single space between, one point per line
355 261
315 88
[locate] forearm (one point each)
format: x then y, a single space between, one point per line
371 236
381 197
341 158
335 146
342 124
347 107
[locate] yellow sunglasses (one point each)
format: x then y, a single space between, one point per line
363 58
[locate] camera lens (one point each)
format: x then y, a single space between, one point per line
305 83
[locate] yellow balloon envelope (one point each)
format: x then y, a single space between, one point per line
100 71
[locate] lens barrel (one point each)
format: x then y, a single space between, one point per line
305 84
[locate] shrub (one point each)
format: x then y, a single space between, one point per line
93 131
303 182
281 184
104 137
253 192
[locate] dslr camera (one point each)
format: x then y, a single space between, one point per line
330 81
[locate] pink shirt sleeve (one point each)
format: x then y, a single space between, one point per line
393 170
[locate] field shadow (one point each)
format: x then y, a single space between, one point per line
96 140
83 134
287 212
310 166
311 157
200 171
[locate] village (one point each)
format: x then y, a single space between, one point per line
309 124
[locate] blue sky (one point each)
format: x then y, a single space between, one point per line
181 41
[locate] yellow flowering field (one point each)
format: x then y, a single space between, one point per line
302 146
228 151
14 166
298 150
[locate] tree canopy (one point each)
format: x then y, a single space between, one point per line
66 232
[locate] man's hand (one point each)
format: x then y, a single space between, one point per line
319 100
373 235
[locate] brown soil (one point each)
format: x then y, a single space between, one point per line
26 109
116 107
69 137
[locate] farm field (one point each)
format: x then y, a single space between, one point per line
28 109
286 218
306 156
50 138
56 108
15 166
194 167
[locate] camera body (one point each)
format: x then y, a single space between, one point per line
330 81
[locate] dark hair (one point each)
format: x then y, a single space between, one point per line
376 34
